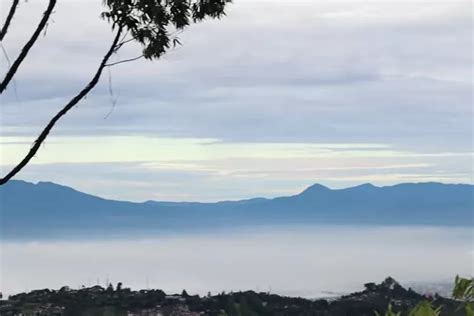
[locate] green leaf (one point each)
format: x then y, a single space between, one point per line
389 312
469 309
463 289
425 309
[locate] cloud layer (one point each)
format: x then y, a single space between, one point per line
296 261
393 73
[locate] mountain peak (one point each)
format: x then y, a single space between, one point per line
315 188
364 186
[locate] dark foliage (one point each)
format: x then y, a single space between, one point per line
123 301
149 21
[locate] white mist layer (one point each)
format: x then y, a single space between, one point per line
309 261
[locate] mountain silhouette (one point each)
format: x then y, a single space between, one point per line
49 210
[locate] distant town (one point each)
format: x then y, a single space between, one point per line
118 300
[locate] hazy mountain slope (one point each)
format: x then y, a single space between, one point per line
47 209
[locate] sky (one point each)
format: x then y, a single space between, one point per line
276 96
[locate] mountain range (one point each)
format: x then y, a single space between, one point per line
49 210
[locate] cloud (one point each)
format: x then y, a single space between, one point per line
144 168
312 72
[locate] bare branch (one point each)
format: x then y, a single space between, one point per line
9 65
124 61
6 55
113 99
123 42
24 52
42 137
9 18
123 37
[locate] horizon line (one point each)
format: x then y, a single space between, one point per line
316 184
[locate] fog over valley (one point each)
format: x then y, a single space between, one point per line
311 261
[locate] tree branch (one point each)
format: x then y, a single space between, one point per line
9 18
123 42
42 137
124 61
24 52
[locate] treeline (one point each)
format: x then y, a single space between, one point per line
387 298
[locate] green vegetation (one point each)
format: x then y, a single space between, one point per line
426 309
463 291
389 312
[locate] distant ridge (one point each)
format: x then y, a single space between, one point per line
51 210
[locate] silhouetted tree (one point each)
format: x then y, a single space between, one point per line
110 288
154 24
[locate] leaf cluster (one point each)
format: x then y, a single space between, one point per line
151 22
389 312
464 290
426 309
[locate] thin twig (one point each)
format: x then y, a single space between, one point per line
9 65
123 37
24 52
113 100
124 61
123 41
42 137
6 55
9 18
